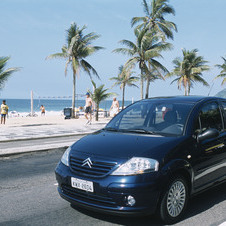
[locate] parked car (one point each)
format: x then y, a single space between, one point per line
151 157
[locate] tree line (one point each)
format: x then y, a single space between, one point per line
151 34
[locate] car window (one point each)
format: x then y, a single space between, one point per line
224 109
165 118
209 117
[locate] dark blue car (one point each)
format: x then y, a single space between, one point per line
149 158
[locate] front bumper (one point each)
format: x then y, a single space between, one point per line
110 192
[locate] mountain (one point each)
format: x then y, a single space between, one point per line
222 93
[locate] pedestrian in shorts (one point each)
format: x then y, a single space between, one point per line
88 108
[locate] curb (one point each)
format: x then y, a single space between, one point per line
2 155
46 137
34 151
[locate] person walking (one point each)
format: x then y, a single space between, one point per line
4 111
88 108
114 107
43 110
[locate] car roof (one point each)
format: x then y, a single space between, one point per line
184 99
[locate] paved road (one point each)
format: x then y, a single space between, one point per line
28 196
28 145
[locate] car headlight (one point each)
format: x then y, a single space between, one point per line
137 166
65 157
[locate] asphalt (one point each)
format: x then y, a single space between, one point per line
41 137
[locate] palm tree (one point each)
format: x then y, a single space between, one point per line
144 52
189 70
223 71
77 49
5 73
155 69
152 75
154 18
99 94
124 79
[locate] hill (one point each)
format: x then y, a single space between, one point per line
222 93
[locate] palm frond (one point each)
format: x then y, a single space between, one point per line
128 43
89 38
136 20
223 82
201 80
88 68
6 73
222 74
66 66
57 56
146 8
126 51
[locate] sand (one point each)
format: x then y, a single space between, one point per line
47 120
40 120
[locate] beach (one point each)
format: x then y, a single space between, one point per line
22 107
21 126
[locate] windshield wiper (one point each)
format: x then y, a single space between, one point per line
139 131
130 130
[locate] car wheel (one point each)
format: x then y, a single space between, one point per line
174 201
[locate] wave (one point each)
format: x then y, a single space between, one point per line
13 114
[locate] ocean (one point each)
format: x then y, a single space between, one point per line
52 106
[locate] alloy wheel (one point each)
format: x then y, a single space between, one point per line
176 199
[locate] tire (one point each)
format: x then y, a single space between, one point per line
174 200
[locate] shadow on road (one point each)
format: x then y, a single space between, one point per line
121 220
206 200
197 205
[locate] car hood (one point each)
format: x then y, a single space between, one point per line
125 145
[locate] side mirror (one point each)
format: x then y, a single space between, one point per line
208 134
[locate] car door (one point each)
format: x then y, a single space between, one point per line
223 105
209 155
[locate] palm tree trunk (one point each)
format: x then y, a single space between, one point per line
73 95
185 91
185 86
142 87
147 88
123 96
142 79
97 111
189 89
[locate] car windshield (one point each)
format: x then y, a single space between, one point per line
152 117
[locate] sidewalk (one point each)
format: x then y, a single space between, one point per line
31 129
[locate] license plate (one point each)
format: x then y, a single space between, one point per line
82 184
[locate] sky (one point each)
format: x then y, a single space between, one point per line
30 30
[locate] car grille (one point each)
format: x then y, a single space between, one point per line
87 197
98 168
